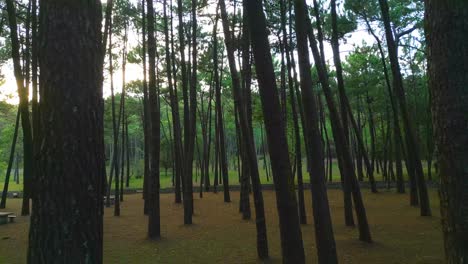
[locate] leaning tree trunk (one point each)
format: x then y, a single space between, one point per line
262 242
447 35
326 247
291 237
344 99
10 162
67 223
297 132
411 143
399 176
342 147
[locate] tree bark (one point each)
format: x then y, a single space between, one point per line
10 162
262 242
411 143
219 116
174 101
24 109
154 221
68 206
291 237
446 35
341 145
326 247
297 132
186 172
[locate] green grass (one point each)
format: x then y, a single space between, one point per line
166 179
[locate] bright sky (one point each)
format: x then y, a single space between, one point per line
8 91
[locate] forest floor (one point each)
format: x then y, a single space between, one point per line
219 235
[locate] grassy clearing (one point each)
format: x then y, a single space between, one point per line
218 234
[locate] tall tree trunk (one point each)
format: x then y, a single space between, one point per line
219 116
186 172
246 74
216 155
344 99
262 242
127 141
115 165
291 237
397 131
411 143
297 132
122 116
154 221
174 101
17 168
193 105
208 147
341 145
67 223
359 151
10 162
372 129
146 120
326 248
34 75
23 108
446 35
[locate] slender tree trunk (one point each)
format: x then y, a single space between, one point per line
297 133
262 242
344 99
186 171
123 113
372 130
115 166
246 74
127 140
400 180
297 145
17 168
10 162
216 155
411 144
23 108
146 126
35 87
154 224
207 159
193 106
291 237
219 116
174 110
341 145
359 150
326 247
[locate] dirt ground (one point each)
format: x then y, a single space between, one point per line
219 235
